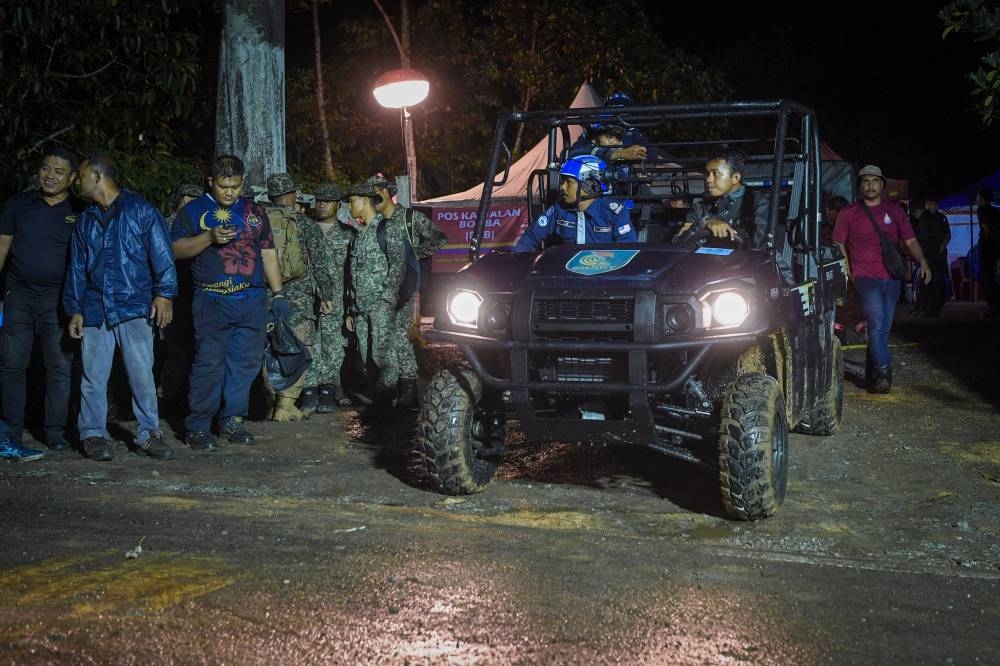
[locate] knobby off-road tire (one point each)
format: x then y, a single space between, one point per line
459 438
825 416
753 448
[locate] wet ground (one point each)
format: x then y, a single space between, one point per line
323 545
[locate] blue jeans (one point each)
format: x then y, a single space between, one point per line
135 338
229 338
878 301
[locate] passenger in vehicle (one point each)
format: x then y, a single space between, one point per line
585 213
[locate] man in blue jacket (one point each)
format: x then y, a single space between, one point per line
584 213
121 280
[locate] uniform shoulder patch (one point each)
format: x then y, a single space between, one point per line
616 207
542 221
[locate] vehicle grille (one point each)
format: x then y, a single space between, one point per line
584 310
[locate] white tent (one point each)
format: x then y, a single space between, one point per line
536 158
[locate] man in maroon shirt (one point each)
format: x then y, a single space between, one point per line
859 241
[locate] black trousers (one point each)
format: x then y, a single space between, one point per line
27 314
934 295
989 253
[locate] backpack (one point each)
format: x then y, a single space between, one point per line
286 241
411 279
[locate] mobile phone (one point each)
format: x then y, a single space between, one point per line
228 226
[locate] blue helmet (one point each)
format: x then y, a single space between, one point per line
618 99
588 171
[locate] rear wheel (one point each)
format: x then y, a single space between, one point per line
460 436
753 448
825 416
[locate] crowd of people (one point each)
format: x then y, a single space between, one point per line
187 300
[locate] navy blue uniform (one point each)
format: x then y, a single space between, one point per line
605 221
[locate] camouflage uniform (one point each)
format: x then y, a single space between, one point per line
302 292
426 239
336 239
372 291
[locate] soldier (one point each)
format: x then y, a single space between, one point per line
323 391
376 270
307 275
425 239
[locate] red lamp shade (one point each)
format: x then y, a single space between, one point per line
401 87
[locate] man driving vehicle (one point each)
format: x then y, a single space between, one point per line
584 214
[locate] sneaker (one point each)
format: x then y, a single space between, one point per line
201 440
327 399
155 447
235 431
97 448
14 451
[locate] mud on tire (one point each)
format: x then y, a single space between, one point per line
825 416
753 447
459 437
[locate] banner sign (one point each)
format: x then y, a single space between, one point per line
505 221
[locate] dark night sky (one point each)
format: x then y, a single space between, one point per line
884 94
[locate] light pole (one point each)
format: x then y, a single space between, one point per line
400 89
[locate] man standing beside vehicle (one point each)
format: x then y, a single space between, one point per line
35 232
229 238
121 280
584 214
858 239
425 239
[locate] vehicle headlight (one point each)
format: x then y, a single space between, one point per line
463 308
726 309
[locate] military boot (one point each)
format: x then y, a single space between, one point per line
340 397
285 410
308 400
406 393
327 399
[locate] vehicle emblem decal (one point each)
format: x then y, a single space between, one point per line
721 251
594 262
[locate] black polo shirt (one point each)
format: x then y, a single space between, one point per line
39 253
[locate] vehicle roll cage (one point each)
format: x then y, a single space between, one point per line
806 185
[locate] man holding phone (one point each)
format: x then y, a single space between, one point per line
229 238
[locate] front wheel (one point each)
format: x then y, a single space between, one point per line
459 435
753 448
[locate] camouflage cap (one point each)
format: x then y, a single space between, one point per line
382 183
363 189
280 183
189 190
328 192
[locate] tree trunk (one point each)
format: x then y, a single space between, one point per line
320 98
250 116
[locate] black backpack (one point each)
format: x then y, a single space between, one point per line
411 279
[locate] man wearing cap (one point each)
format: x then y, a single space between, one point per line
425 238
229 238
858 239
306 278
35 231
375 275
323 391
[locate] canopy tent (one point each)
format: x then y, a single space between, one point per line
536 158
960 208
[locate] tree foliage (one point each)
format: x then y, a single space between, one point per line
981 20
481 59
100 75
